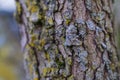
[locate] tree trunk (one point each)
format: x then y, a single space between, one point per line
68 39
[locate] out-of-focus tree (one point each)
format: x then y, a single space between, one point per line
10 50
68 39
117 23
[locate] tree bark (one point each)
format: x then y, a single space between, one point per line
68 39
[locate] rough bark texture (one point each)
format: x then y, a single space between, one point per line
68 39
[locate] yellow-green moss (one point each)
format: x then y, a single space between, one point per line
34 9
36 78
31 44
42 42
70 77
44 7
48 70
113 66
69 60
33 37
18 8
56 51
50 21
67 21
47 56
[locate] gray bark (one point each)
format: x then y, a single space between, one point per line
68 39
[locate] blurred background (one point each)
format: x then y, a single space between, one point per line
11 60
116 13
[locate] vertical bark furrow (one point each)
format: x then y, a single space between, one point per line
103 24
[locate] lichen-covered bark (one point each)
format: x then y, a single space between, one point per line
68 39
